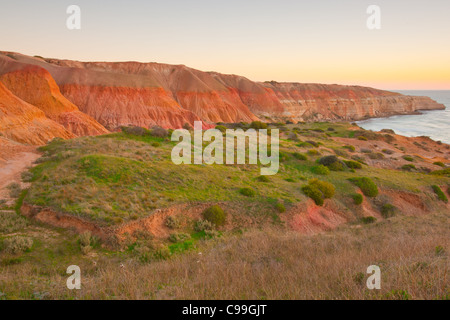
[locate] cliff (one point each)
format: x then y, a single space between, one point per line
25 123
145 94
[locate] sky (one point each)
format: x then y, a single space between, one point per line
320 41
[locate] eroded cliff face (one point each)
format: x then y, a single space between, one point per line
36 86
146 94
25 123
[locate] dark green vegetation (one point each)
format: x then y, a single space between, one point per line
215 215
367 186
319 190
441 195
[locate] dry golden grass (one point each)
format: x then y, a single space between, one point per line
264 264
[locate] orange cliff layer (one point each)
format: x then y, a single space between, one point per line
145 94
25 123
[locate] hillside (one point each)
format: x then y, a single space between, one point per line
145 94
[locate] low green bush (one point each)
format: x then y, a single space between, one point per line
409 167
203 225
332 162
321 170
376 156
350 148
299 156
314 194
179 237
388 210
440 164
353 164
368 220
358 198
408 158
441 195
172 222
17 244
319 190
387 151
258 125
14 190
215 215
221 128
313 152
280 207
263 179
367 186
362 138
248 192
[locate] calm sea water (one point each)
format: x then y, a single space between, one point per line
435 124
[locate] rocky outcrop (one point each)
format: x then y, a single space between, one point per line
25 123
36 86
145 94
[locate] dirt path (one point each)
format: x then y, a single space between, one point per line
10 171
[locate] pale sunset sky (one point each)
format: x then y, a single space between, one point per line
323 41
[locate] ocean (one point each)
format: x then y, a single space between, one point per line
435 124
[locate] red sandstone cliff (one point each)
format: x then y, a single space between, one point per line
170 95
25 123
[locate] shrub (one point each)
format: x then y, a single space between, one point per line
362 138
326 188
300 156
387 151
215 215
388 210
440 164
248 192
313 152
364 150
332 162
376 156
441 195
353 164
444 172
14 190
320 169
368 220
221 128
11 222
280 207
203 225
172 222
187 126
358 198
178 237
314 194
263 179
305 145
350 148
135 131
27 176
159 132
313 143
17 244
293 136
341 153
258 125
156 144
409 167
408 158
319 190
367 186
